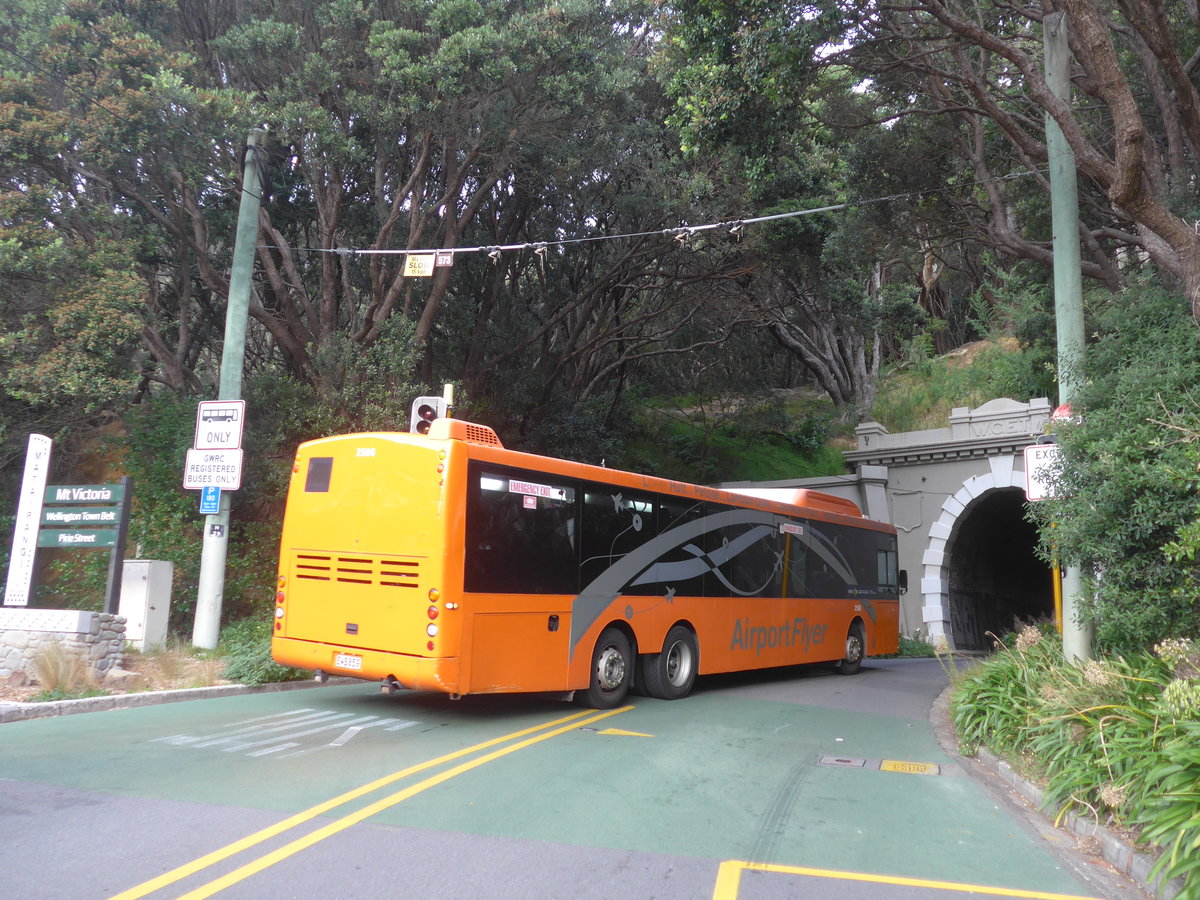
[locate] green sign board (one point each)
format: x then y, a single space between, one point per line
80 516
85 493
76 540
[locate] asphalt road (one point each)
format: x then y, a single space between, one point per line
797 783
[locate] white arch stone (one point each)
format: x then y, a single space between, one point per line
935 580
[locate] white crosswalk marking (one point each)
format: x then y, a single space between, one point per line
281 734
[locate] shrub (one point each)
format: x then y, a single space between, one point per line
246 647
63 673
1113 738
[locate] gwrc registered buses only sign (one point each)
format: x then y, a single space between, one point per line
213 468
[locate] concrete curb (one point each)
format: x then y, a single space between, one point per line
1112 847
19 712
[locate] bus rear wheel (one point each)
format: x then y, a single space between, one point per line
612 670
669 675
855 650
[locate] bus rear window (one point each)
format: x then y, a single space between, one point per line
320 468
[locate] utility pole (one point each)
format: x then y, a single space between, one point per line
1068 286
211 589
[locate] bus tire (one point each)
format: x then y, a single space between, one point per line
612 670
669 675
856 648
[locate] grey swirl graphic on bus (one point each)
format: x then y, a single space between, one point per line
645 564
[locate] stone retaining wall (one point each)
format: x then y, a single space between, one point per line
24 633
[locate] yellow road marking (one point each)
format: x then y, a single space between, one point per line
913 768
181 872
268 860
621 733
729 877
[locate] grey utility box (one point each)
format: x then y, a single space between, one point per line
146 601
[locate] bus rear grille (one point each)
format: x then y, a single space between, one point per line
370 570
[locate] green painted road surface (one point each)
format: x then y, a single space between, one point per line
742 790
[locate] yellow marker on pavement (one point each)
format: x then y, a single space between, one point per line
912 768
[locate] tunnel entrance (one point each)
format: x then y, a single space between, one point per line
995 576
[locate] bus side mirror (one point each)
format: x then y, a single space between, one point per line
904 581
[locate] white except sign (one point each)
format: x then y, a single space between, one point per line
29 515
219 424
1038 460
212 468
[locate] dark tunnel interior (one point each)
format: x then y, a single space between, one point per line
995 576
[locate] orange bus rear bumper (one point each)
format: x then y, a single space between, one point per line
416 672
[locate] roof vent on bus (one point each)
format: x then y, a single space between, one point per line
459 430
827 502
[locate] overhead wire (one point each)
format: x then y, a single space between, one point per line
734 226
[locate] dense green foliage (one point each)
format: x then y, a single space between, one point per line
1128 482
245 646
1115 737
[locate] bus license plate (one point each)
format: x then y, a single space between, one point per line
348 661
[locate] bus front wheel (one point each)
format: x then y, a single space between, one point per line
612 670
669 675
855 650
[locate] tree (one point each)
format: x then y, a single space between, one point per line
1127 484
1136 143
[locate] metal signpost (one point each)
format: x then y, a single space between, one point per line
211 587
214 466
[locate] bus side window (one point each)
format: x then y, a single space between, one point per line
520 535
796 563
752 558
889 578
676 512
614 522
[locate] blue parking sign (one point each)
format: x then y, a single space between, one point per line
210 500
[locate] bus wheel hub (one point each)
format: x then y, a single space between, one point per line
610 669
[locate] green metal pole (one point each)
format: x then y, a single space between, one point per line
211 590
1068 286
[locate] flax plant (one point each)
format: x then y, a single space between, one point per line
1117 739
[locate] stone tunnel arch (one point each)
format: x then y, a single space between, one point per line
982 573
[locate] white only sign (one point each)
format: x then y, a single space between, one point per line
1039 458
219 424
212 468
29 518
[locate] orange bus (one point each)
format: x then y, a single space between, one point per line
446 562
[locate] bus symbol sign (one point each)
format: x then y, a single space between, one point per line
219 424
